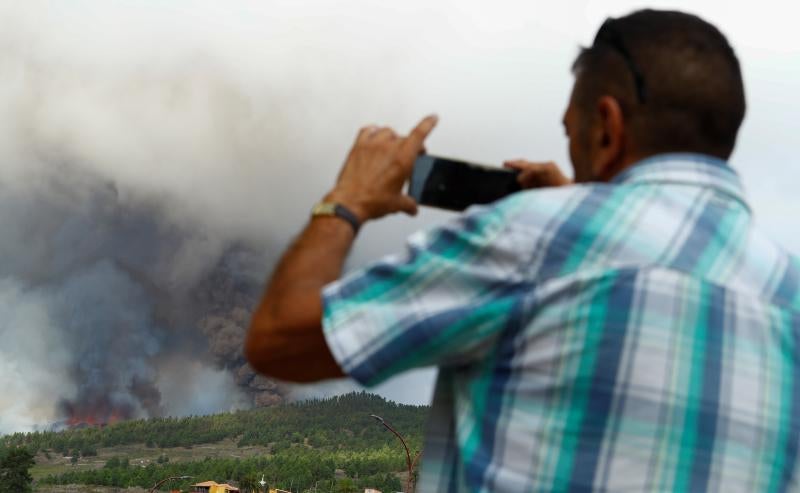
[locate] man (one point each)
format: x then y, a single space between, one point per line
634 331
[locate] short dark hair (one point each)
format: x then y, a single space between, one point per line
676 77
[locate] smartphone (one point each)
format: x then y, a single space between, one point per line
456 185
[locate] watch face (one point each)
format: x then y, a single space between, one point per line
324 209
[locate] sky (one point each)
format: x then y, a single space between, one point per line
240 113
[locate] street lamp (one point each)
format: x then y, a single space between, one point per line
155 486
409 462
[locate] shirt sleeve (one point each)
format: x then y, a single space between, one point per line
442 302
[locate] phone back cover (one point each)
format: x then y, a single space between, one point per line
456 185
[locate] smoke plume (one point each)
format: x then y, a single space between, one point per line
155 159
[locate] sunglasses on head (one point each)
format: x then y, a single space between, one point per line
608 35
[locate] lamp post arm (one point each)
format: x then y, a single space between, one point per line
386 425
155 487
408 454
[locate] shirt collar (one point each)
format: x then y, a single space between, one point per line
686 169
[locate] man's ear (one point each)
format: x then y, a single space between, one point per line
610 138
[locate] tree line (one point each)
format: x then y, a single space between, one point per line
336 422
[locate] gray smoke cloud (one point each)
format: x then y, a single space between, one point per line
156 157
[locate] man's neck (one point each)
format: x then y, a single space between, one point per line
623 163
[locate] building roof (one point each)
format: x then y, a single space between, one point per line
206 483
209 484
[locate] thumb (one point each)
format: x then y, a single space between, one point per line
405 203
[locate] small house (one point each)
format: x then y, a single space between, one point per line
213 487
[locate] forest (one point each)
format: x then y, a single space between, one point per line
330 443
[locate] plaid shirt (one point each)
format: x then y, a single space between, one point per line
639 335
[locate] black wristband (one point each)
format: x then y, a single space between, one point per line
348 216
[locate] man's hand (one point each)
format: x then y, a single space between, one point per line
538 175
380 162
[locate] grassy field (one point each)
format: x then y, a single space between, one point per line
140 455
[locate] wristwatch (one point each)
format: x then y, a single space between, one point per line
337 210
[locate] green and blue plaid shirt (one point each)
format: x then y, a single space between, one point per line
639 335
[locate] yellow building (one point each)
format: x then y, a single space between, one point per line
213 487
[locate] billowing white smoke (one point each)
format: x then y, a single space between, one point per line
154 158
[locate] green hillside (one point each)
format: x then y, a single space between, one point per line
329 442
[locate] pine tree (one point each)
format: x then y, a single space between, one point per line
15 474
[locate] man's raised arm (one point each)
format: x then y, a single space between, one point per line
285 339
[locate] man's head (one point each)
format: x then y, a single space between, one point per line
652 82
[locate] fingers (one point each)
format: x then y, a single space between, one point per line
529 178
383 134
374 133
365 133
518 164
537 174
530 174
522 165
414 143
